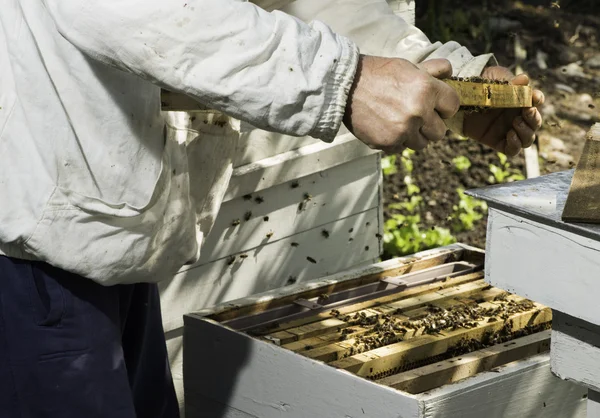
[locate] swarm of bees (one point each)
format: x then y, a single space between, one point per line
387 329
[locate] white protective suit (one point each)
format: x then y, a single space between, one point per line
93 182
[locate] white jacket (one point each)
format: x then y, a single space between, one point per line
90 181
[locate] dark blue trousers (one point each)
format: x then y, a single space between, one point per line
71 348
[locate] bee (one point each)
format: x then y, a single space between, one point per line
242 256
325 233
236 222
230 260
312 260
291 280
555 5
307 196
247 197
259 199
266 219
294 244
295 184
247 216
367 248
270 234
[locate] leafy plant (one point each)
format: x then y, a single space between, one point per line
461 163
468 211
403 232
403 236
388 165
504 173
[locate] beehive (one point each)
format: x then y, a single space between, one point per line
423 336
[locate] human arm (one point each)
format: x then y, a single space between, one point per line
269 69
378 31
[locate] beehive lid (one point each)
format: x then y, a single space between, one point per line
541 199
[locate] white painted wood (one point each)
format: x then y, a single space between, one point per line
575 360
255 144
521 389
576 350
294 164
593 404
556 268
271 266
266 381
335 193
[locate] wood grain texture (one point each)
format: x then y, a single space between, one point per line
294 164
406 294
270 266
383 359
523 389
339 281
293 207
583 200
458 368
543 263
576 351
272 383
474 94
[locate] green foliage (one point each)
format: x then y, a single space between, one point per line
403 232
461 163
468 211
403 236
388 165
504 173
407 163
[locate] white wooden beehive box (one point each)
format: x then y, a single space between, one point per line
310 350
307 189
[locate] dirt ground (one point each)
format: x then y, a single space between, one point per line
557 44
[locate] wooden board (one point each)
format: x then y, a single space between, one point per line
554 267
394 356
522 389
583 200
250 378
271 266
458 368
292 165
293 207
480 94
576 351
372 303
260 302
263 380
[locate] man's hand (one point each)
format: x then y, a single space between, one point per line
506 130
394 104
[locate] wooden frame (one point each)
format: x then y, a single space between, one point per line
257 378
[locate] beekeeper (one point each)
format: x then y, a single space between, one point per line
95 203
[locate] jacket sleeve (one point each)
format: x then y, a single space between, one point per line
374 27
269 69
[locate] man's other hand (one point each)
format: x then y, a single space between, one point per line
394 104
506 130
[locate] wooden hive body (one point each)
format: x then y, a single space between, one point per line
249 357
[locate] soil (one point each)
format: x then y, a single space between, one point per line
558 46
